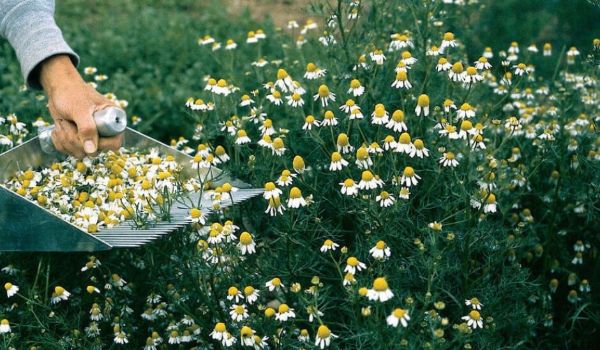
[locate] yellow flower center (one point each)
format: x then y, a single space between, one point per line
457 67
309 119
471 70
405 138
367 175
448 36
269 186
329 115
475 315
348 183
401 75
295 193
281 74
423 100
246 238
220 327
419 144
323 332
336 157
195 213
352 261
246 331
409 171
249 290
355 84
276 281
380 245
311 67
399 313
380 284
450 156
323 91
342 140
283 308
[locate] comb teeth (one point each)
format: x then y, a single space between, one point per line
124 236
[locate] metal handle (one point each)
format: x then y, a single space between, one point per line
110 121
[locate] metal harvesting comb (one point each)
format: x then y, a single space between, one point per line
26 226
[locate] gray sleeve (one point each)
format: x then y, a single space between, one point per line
30 28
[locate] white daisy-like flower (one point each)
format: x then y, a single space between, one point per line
337 162
448 160
295 199
271 191
11 289
323 337
398 316
196 216
474 319
349 187
356 89
353 265
385 199
380 251
380 291
380 116
409 177
251 294
284 313
328 245
369 181
474 303
324 95
274 284
238 312
247 244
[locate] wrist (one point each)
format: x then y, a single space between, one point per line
56 71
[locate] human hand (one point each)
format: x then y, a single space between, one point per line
72 103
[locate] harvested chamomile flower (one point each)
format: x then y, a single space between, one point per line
104 191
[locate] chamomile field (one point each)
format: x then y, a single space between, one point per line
429 175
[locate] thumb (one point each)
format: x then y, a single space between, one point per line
86 130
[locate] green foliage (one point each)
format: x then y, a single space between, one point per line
444 249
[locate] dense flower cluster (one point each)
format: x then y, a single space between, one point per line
413 194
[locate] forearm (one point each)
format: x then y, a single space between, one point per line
56 71
30 28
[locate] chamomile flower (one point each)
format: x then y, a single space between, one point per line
377 56
242 137
457 72
349 187
409 177
337 162
363 161
353 265
369 181
401 81
238 312
482 63
356 89
219 331
422 107
286 178
284 82
251 294
396 122
329 119
419 149
448 41
448 160
324 95
380 251
520 69
380 290
196 216
284 313
278 147
309 122
474 303
343 144
380 116
275 206
247 244
477 142
398 316
385 199
328 245
547 49
59 294
314 72
348 106
472 76
275 98
295 199
4 326
389 143
404 144
274 284
11 289
295 100
474 319
443 65
271 191
323 337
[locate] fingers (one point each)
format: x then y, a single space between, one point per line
65 139
110 143
87 133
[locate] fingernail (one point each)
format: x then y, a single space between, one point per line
89 146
